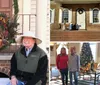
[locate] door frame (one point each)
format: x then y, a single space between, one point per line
85 16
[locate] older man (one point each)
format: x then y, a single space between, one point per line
29 63
74 66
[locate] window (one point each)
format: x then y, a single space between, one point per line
95 16
65 15
62 44
93 47
52 14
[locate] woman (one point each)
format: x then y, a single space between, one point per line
62 65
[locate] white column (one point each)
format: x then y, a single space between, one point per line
26 7
41 22
55 52
26 11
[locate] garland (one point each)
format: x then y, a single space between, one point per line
8 27
16 9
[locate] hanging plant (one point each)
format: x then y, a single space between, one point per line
8 27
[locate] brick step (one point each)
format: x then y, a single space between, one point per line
75 36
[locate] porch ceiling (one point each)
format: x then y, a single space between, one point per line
77 1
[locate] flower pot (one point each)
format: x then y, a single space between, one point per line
0 43
63 27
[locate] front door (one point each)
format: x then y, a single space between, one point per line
6 7
81 18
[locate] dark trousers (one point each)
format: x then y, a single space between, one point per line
75 77
64 75
44 81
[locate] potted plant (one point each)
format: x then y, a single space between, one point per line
8 27
96 19
65 20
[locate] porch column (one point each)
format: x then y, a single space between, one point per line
26 12
55 52
41 21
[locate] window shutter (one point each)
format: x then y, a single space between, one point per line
60 15
70 16
52 15
99 16
91 16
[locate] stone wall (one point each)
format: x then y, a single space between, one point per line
5 66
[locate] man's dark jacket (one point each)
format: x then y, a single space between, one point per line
32 68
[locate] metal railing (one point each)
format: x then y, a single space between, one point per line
26 21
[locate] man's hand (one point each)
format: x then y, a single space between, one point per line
14 80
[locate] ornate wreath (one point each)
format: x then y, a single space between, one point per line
80 11
8 27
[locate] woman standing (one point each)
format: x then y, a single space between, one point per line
62 64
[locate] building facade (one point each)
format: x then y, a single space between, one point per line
33 16
84 14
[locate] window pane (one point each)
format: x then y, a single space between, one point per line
62 44
65 16
93 49
95 16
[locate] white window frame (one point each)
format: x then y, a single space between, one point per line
69 15
93 47
52 16
91 16
61 44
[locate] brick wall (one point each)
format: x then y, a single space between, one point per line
5 56
75 36
5 66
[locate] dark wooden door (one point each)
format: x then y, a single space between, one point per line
6 7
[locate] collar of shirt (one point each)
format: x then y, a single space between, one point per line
28 51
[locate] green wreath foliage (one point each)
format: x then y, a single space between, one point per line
80 11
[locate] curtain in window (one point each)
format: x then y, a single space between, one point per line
95 16
65 16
